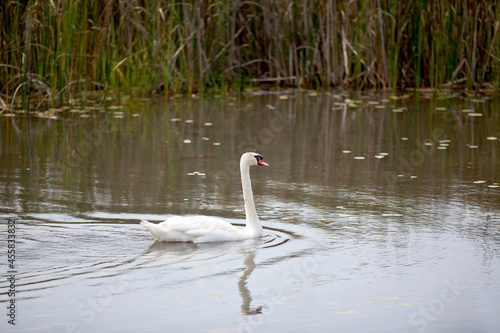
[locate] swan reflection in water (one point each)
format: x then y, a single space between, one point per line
165 253
249 251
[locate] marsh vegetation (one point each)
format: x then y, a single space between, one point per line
54 52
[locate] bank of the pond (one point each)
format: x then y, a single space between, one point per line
53 52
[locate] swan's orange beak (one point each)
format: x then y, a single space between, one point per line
261 162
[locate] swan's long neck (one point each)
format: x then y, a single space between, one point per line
252 219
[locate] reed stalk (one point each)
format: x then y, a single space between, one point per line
55 52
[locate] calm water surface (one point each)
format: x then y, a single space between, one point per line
381 213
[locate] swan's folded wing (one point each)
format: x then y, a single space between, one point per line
194 229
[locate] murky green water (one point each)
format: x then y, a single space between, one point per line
381 214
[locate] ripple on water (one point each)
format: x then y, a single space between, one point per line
116 244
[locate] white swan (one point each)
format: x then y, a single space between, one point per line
201 229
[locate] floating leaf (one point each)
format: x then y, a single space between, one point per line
372 302
359 157
346 151
493 186
335 303
208 124
390 298
187 141
186 302
175 119
413 177
384 154
283 97
379 156
404 139
216 143
346 312
479 181
475 114
404 304
467 110
491 138
189 121
392 215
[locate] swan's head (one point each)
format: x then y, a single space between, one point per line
253 159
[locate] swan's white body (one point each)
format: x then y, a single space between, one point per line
201 229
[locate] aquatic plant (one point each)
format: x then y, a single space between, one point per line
59 51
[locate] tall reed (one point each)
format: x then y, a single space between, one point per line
61 50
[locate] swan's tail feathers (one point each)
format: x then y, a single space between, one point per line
166 234
150 226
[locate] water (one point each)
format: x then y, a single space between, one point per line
368 226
